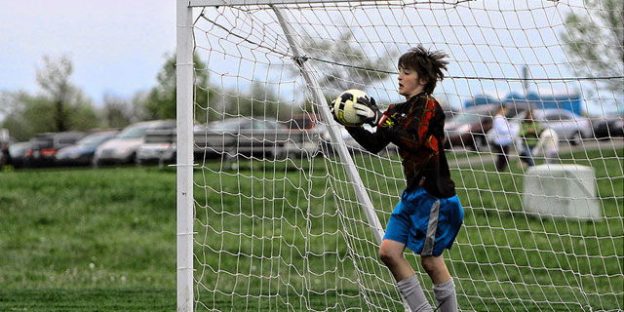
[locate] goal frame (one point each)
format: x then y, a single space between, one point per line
184 123
184 158
507 229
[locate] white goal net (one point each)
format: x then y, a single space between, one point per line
280 193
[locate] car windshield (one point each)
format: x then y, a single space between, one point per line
135 132
94 139
42 142
467 118
162 136
515 111
227 125
18 148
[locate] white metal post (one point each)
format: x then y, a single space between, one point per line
333 128
343 152
184 169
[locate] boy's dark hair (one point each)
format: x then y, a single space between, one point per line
428 64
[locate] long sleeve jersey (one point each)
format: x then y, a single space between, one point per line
417 128
502 131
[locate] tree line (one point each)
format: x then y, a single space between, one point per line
61 106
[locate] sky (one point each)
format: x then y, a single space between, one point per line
117 47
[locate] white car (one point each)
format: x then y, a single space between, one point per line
122 148
159 147
568 125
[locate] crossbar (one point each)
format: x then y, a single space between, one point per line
213 3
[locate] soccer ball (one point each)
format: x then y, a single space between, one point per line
343 109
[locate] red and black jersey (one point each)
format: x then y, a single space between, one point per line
417 128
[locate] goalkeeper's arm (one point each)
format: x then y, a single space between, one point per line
372 142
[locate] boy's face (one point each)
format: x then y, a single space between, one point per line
409 82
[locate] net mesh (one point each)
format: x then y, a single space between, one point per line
278 225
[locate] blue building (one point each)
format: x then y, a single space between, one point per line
571 102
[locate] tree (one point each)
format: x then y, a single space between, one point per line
59 106
596 42
54 79
260 101
160 102
117 112
27 114
345 66
71 110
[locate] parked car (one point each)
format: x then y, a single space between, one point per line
242 136
81 153
303 121
159 146
122 148
568 125
17 154
469 128
5 140
608 126
316 131
44 146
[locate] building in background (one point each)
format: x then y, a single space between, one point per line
570 102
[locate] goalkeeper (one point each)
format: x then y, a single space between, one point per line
429 214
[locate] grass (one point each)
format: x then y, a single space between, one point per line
87 240
80 240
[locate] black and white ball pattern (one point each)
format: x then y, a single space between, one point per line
343 108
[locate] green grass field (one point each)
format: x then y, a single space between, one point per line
104 240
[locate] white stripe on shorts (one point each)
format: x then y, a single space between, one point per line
431 229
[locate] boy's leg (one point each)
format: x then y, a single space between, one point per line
414 296
445 296
444 288
529 155
391 253
501 158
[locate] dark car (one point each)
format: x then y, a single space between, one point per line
303 121
44 147
81 153
469 128
608 126
4 147
268 138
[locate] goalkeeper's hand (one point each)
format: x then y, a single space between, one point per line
367 109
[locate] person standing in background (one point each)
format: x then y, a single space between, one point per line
529 136
501 138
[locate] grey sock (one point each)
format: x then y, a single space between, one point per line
414 295
445 296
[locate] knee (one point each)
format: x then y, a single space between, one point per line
388 256
431 266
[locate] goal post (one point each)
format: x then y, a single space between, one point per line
334 132
278 208
184 156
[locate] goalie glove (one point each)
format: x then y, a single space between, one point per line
367 109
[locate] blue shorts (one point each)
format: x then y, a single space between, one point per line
425 224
